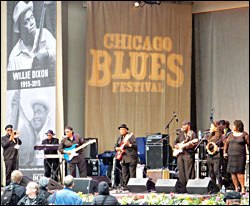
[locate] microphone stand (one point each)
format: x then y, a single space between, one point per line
167 127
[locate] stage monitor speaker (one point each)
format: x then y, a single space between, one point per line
53 185
25 180
102 179
140 185
85 185
169 185
201 186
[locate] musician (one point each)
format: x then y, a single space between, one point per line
235 151
186 160
225 126
129 157
10 143
23 53
53 162
79 161
226 177
214 156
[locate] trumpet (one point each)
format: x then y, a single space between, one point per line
16 133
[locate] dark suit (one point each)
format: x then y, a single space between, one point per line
77 160
54 163
10 155
185 161
129 159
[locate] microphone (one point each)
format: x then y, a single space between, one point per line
176 118
211 114
178 130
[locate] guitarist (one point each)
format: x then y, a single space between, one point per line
129 158
186 159
79 161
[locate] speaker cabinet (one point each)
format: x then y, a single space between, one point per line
169 185
53 185
140 185
91 151
156 155
201 186
85 185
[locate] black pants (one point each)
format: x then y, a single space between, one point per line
214 164
81 167
185 164
10 166
128 171
54 163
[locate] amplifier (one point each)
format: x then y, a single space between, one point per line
156 139
93 167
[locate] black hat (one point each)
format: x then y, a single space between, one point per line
50 131
186 122
69 128
123 126
231 195
8 126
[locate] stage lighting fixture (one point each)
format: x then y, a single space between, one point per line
136 3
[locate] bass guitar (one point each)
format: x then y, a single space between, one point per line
182 145
120 152
73 150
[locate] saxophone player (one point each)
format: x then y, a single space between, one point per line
213 149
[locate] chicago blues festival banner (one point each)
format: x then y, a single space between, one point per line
138 68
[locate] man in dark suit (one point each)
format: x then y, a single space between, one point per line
51 162
10 143
129 158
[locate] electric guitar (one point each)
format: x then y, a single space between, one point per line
182 145
73 150
120 153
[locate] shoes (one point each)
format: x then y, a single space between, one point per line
125 188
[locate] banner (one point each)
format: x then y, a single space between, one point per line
31 56
138 69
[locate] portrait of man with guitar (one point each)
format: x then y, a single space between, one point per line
184 151
126 148
36 47
73 155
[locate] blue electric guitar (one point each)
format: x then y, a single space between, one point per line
73 150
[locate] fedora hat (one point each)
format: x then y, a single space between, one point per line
123 126
40 101
20 8
50 131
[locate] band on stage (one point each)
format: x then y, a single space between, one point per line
225 153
